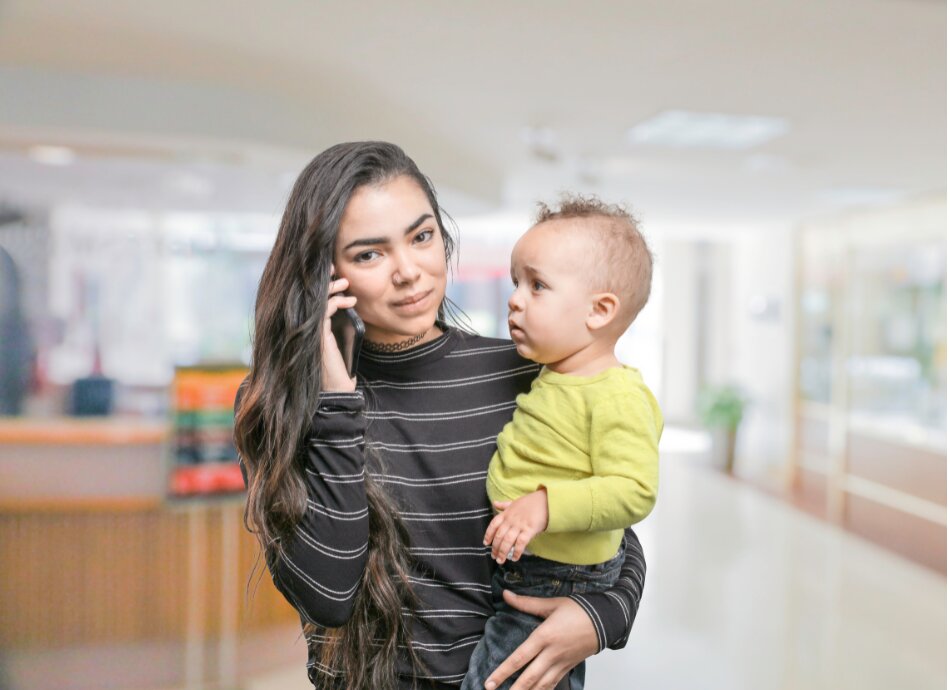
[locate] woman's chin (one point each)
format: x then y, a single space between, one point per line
406 327
419 324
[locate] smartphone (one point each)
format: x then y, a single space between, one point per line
348 329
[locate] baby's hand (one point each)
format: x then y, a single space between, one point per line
517 524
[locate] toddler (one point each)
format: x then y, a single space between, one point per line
578 463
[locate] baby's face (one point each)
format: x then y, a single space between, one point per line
552 298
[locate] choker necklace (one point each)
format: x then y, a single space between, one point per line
394 347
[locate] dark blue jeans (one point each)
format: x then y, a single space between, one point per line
508 628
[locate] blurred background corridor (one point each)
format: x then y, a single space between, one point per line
787 160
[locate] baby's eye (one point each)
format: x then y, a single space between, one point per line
423 236
538 285
363 257
514 281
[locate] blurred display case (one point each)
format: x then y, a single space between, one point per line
204 460
869 446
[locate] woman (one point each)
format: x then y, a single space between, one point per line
368 496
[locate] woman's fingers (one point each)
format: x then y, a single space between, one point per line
337 302
563 640
338 285
540 676
542 607
534 676
518 659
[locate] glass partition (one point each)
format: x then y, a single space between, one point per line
897 363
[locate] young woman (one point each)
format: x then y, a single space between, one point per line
368 494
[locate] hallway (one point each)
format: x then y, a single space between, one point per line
747 593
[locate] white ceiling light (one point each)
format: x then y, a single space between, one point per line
52 155
685 129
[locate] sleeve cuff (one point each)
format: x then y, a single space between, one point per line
608 618
595 618
344 400
338 415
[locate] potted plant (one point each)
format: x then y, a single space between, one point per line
721 409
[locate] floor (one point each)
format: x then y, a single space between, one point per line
745 592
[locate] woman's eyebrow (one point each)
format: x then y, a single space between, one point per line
369 241
419 221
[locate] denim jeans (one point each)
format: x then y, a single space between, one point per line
508 628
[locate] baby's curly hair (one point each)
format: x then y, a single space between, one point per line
620 260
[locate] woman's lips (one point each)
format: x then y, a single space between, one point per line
414 303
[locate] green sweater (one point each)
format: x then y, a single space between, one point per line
591 441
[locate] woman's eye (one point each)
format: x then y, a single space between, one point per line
423 236
365 256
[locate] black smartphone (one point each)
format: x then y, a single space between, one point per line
348 329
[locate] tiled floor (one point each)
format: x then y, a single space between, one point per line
747 593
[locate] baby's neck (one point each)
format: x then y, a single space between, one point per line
587 362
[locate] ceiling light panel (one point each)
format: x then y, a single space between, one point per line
683 129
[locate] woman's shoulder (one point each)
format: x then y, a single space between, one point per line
473 347
491 360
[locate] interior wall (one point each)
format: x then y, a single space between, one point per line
727 319
680 329
762 332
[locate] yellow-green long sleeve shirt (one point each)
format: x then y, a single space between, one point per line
592 443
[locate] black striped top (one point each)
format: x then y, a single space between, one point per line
432 414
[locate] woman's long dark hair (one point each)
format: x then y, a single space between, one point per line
273 418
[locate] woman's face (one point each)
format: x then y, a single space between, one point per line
390 249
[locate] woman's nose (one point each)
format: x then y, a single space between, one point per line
407 271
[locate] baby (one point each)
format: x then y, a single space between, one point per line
578 463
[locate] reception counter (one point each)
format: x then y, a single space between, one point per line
109 584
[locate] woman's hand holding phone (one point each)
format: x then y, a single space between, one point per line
335 376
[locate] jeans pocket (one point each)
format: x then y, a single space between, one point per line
512 577
544 588
597 577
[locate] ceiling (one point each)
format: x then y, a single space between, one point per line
217 104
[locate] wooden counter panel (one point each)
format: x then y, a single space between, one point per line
92 577
77 431
71 474
84 577
37 506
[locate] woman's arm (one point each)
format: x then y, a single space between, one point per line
319 567
613 612
563 640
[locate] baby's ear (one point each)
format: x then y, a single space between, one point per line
604 308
